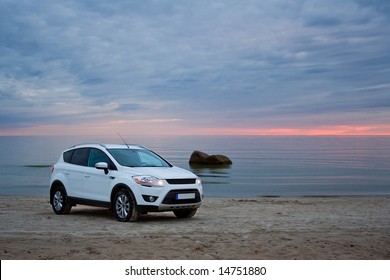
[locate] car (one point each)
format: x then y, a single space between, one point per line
129 179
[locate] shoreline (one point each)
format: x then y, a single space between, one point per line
346 227
374 195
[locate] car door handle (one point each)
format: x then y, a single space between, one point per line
67 172
87 176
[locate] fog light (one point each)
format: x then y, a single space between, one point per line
149 198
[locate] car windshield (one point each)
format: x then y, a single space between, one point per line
138 158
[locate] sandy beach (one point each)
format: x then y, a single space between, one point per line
261 228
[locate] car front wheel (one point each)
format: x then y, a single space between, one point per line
125 208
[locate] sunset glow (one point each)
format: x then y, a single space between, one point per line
173 127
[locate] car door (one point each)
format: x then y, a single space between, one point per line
75 172
96 181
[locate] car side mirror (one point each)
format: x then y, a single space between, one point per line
103 166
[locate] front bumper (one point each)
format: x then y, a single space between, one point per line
171 201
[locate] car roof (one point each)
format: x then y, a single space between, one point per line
108 146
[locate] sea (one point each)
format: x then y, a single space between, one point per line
263 166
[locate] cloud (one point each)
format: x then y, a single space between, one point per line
323 21
209 64
381 6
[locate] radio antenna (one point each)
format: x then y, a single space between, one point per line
123 140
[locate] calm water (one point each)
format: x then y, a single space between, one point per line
262 166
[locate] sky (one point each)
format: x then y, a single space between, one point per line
227 67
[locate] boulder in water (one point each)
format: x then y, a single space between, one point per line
202 158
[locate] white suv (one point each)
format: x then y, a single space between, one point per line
129 179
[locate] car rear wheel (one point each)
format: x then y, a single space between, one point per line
125 208
59 201
185 213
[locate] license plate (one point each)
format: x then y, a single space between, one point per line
185 196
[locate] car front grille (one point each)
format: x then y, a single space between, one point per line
181 181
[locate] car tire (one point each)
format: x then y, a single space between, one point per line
125 209
185 213
59 201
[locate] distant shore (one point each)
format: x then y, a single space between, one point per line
260 228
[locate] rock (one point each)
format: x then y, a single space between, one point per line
218 159
202 158
198 157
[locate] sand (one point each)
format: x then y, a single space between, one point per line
264 228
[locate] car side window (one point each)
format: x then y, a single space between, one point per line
80 156
68 156
95 156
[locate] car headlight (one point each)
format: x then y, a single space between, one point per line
149 181
199 182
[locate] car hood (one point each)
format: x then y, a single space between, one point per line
161 172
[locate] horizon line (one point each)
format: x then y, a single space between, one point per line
189 135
